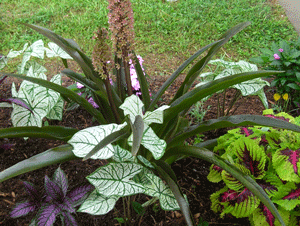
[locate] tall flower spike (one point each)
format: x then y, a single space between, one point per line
101 56
120 19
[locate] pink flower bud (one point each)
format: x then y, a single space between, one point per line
276 56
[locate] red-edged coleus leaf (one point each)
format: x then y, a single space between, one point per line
47 215
78 194
231 182
246 131
215 174
263 216
60 178
239 204
17 101
23 209
288 196
250 155
286 163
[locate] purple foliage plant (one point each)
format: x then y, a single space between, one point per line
54 201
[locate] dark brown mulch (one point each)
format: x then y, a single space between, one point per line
191 172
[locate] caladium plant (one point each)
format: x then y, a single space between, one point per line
247 88
271 157
55 201
139 140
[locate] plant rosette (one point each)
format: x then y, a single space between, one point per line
55 201
269 156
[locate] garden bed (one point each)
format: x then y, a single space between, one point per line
191 173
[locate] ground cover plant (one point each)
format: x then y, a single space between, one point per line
136 120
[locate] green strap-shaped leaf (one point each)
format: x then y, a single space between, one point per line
65 92
112 137
143 82
152 142
230 121
188 99
87 139
52 156
47 132
246 180
115 179
198 67
81 79
97 204
171 79
137 134
70 47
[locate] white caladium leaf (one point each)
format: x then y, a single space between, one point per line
55 51
155 116
132 106
85 140
157 188
36 68
152 142
5 105
56 113
14 92
41 99
122 155
141 177
97 204
36 50
115 179
13 54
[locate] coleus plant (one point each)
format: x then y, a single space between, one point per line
55 201
139 141
271 157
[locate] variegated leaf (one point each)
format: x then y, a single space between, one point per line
122 155
85 140
132 106
55 51
97 204
157 188
115 179
155 116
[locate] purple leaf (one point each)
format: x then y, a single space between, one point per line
67 205
31 190
69 219
47 215
78 194
53 190
17 101
23 209
60 178
232 196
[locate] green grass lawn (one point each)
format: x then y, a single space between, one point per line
168 32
